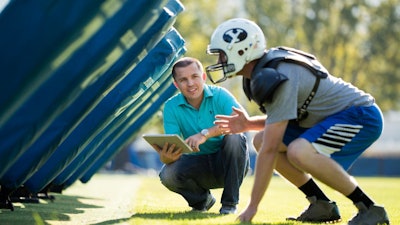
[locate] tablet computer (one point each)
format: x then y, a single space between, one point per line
160 139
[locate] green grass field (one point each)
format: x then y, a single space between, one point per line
155 205
142 200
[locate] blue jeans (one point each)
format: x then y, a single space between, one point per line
192 176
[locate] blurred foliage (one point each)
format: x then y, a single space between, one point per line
357 40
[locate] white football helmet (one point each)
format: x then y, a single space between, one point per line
236 42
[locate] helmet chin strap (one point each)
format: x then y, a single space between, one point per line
231 76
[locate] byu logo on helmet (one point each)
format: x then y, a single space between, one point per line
234 35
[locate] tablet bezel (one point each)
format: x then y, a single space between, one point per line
160 139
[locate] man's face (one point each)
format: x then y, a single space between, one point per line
190 80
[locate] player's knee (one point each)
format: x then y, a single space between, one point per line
296 153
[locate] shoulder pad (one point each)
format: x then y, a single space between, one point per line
264 83
276 55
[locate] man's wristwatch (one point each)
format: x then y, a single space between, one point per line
205 133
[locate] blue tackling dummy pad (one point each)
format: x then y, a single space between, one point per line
125 99
77 83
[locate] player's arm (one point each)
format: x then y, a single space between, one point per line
265 165
233 118
239 122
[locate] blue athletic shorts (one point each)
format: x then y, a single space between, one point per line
343 136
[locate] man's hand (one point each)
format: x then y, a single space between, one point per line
233 124
195 141
247 214
168 153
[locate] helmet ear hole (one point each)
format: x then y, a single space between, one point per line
240 52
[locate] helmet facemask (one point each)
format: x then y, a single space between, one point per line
222 70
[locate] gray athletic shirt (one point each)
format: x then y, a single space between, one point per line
333 95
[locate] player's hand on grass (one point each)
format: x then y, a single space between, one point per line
247 214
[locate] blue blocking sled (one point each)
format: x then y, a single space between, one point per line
79 78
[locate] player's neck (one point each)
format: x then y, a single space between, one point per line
247 69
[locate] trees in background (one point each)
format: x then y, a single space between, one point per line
357 40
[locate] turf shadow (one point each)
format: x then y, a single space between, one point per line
164 215
39 213
180 216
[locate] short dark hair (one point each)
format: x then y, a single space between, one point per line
184 62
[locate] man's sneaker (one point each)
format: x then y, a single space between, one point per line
228 209
209 203
373 215
319 211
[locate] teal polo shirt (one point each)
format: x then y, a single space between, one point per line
183 119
